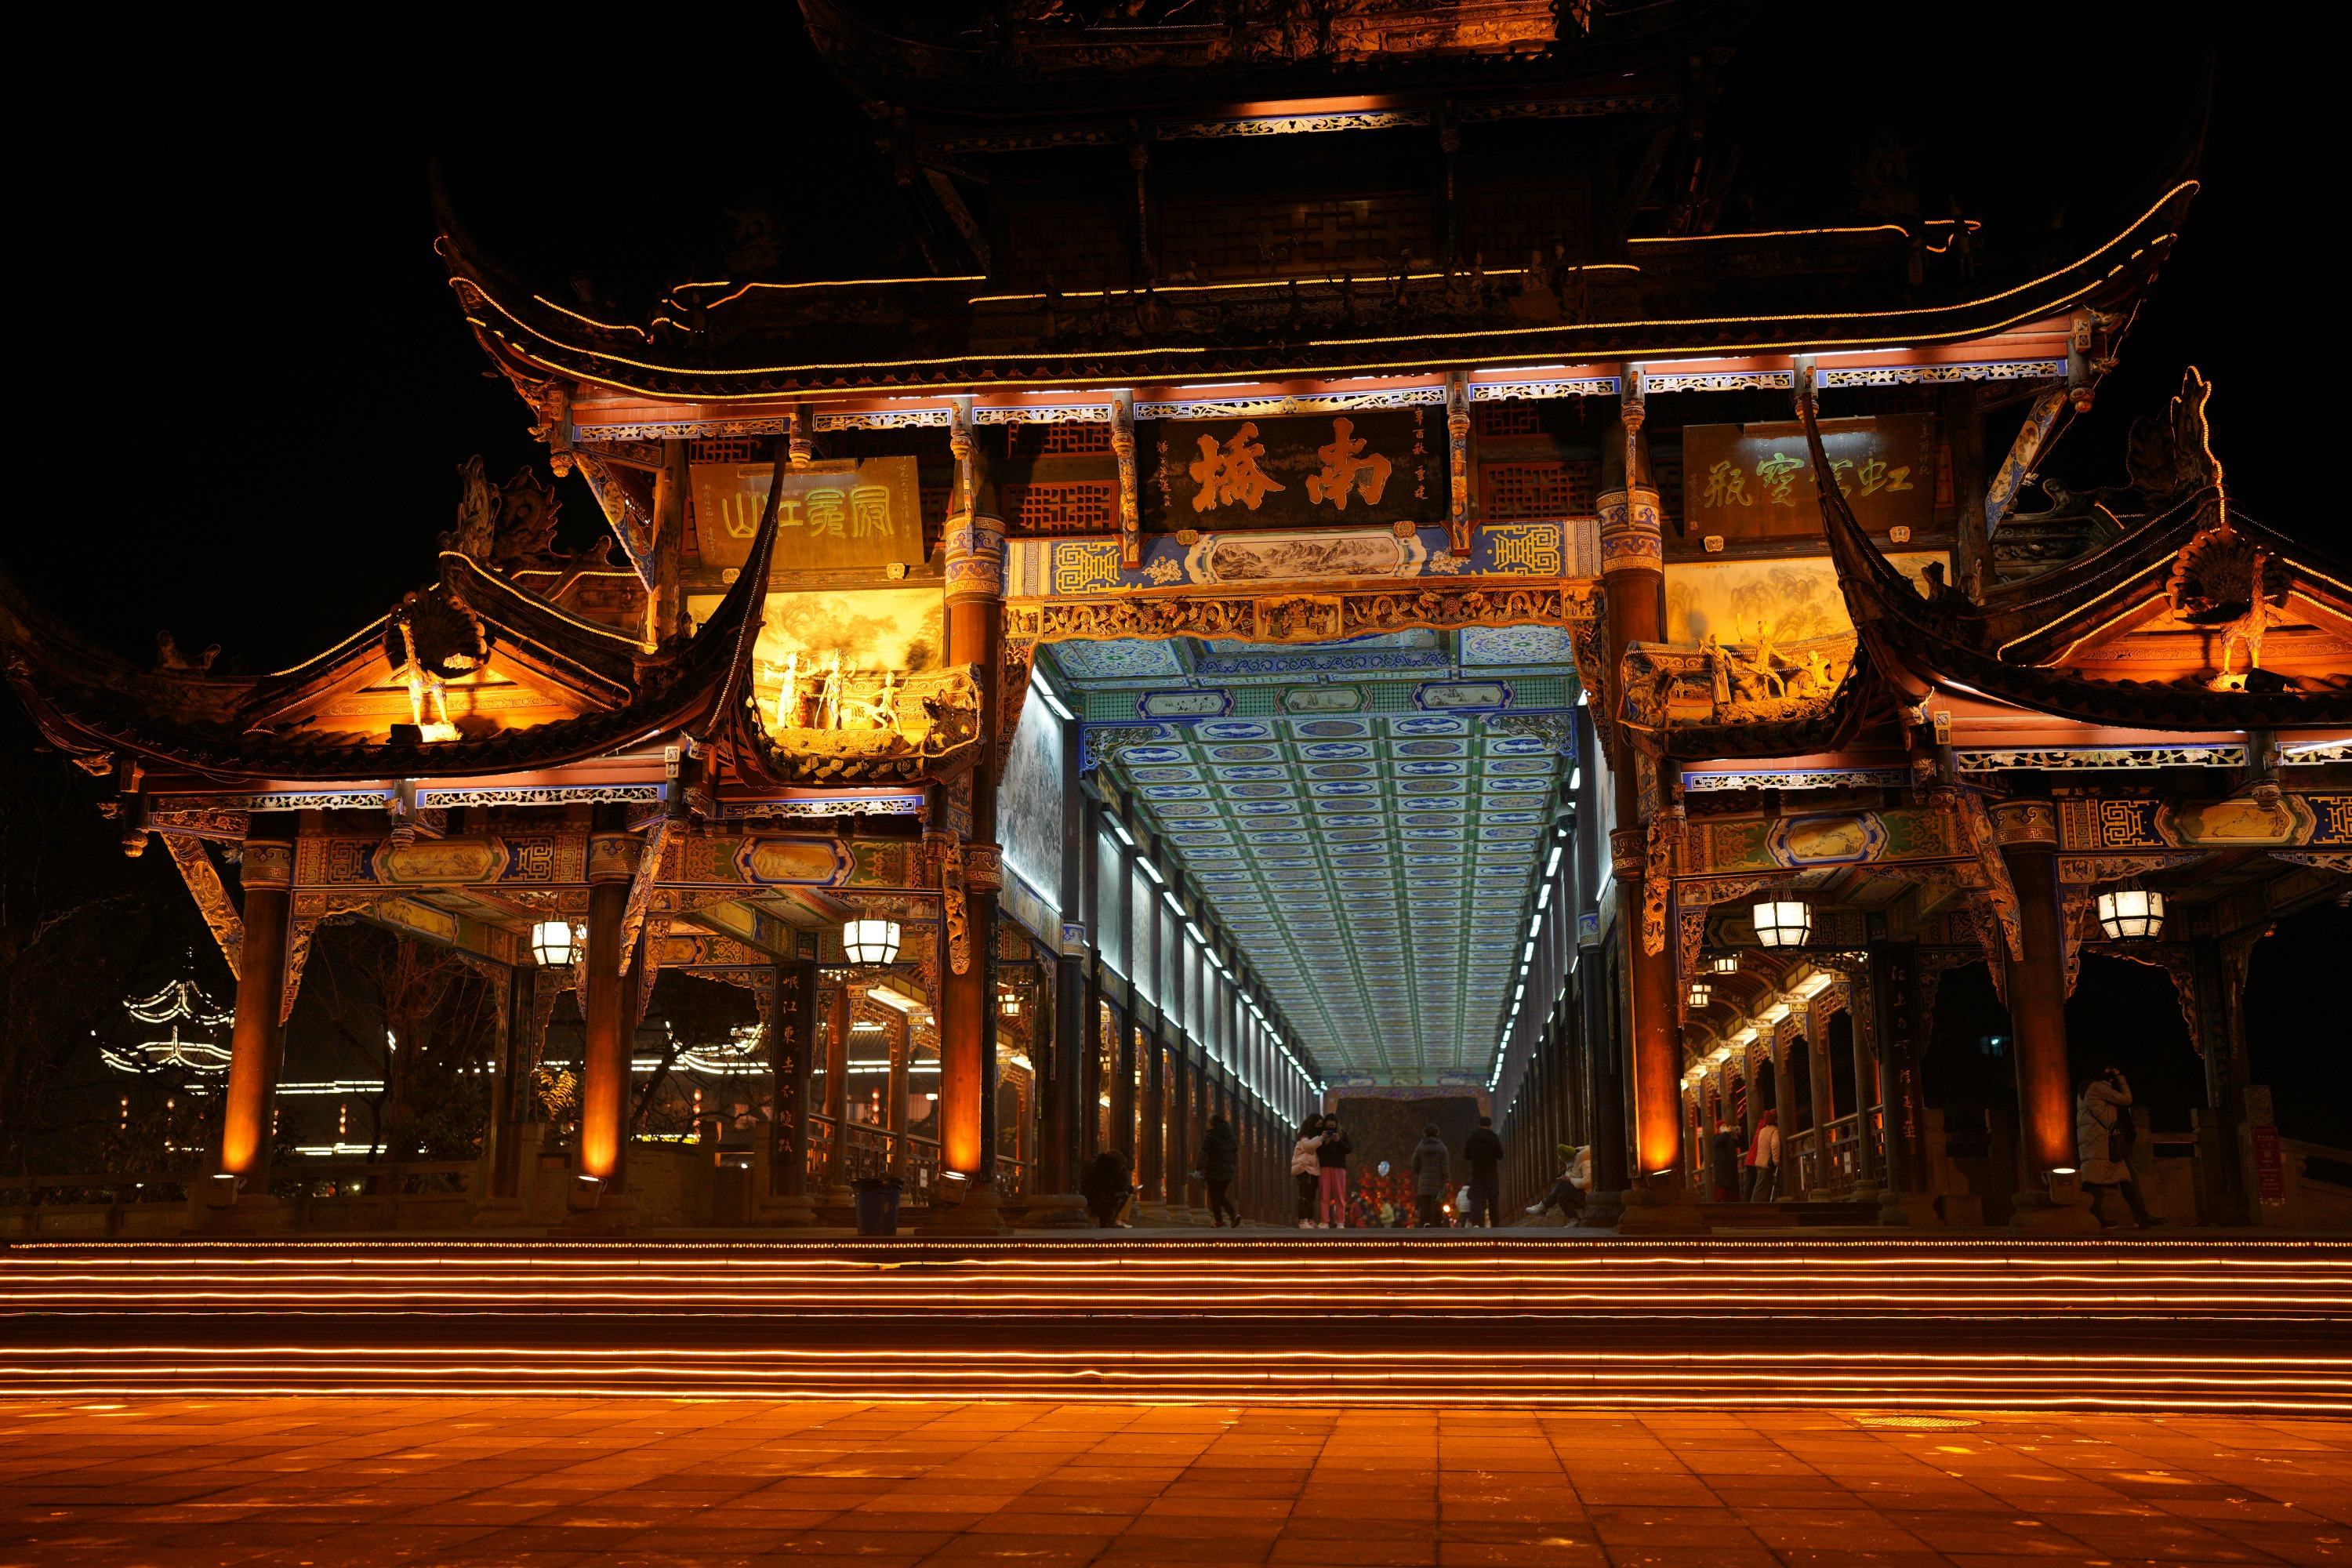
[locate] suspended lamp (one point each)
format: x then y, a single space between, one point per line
2131 913
1726 964
870 941
1701 994
1008 1002
553 943
1783 922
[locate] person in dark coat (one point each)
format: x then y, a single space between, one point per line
1724 1163
1221 1160
1331 1166
1484 1155
1107 1186
1428 1172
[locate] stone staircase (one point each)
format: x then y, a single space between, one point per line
1503 1318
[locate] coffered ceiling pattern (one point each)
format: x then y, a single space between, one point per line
1365 818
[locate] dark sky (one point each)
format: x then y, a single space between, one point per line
244 387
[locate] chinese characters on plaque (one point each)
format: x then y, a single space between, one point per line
829 514
1757 481
1369 466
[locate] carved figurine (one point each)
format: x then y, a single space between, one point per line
2247 630
169 657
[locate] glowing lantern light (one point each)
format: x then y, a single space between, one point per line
553 943
1701 994
870 941
1783 922
1726 964
2131 915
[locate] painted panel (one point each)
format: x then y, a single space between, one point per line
1030 802
1793 597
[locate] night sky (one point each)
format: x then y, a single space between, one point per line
255 388
243 388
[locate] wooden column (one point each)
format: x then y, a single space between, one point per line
792 1025
1060 1065
837 1193
901 1038
1123 1134
609 1013
2028 834
1894 1010
972 549
257 1040
1632 572
509 1096
1175 1120
1152 1161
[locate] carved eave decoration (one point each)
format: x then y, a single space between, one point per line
937 739
95 706
2185 573
1697 703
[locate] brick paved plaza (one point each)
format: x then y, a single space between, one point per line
314 1481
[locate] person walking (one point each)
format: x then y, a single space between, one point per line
1331 1172
1568 1191
1484 1155
1429 1177
1763 1164
1306 1169
2103 1137
1221 1158
1724 1163
1107 1186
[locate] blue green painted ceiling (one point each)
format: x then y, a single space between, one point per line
1366 817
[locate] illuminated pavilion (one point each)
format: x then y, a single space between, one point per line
1317 591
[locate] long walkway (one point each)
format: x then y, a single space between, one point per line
600 1483
1499 1318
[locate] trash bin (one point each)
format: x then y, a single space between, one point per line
877 1205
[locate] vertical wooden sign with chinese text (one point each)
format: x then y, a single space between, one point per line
1755 481
831 514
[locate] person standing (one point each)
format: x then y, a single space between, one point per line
1429 1177
1724 1163
1221 1158
1764 1160
1331 1171
1306 1170
1484 1155
2102 1138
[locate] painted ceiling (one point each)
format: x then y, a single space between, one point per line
1366 817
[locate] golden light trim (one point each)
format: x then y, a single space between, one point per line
1710 351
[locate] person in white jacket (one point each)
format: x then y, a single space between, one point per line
2102 1138
1306 1170
1575 1180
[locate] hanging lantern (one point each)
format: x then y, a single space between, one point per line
1701 994
553 943
1008 1002
1783 922
1726 964
2131 913
870 941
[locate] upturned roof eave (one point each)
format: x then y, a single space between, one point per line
527 334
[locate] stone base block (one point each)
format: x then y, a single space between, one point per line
499 1213
981 1213
1909 1208
1058 1211
2035 1213
1671 1211
794 1212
